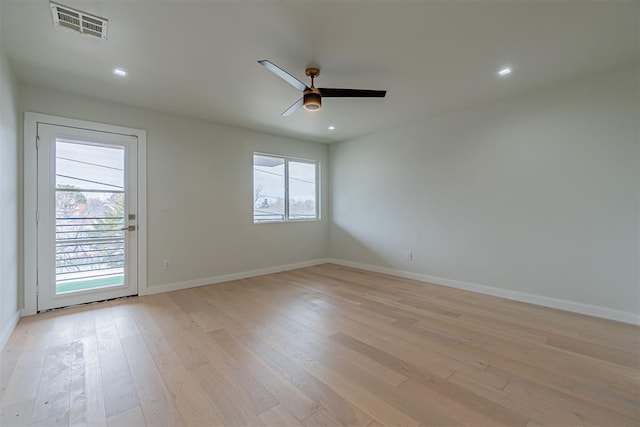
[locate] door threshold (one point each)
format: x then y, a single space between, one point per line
85 303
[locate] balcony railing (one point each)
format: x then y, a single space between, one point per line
89 252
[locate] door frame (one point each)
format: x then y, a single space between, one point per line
30 176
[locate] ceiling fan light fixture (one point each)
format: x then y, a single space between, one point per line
311 95
312 101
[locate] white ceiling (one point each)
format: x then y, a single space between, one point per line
199 58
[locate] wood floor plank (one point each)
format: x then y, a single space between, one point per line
84 325
53 397
62 331
458 411
196 408
292 398
596 351
322 418
117 384
578 366
407 403
126 326
551 398
540 414
206 321
174 324
326 345
609 398
277 324
18 414
365 399
232 409
279 416
305 351
87 396
244 388
25 376
150 331
129 418
629 390
432 362
154 401
338 408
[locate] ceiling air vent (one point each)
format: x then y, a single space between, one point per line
81 22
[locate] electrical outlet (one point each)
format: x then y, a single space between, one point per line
166 265
409 255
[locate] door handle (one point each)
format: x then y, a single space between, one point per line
129 228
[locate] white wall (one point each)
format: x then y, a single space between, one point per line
203 171
9 206
537 194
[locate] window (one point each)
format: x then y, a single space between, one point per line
284 189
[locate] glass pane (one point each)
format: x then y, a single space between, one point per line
268 188
89 216
88 166
302 190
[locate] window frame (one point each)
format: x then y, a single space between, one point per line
286 160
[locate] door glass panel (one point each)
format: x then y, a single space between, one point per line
90 206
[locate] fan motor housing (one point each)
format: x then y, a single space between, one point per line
312 101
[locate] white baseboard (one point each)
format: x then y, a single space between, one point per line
168 287
576 307
8 329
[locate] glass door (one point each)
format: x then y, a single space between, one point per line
87 205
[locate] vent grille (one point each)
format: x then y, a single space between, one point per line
81 22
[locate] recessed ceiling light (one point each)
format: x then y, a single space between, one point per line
504 71
332 127
119 72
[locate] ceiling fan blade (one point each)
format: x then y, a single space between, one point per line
351 93
289 111
283 74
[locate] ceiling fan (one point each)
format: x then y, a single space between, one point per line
312 96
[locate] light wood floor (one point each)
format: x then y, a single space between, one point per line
320 346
